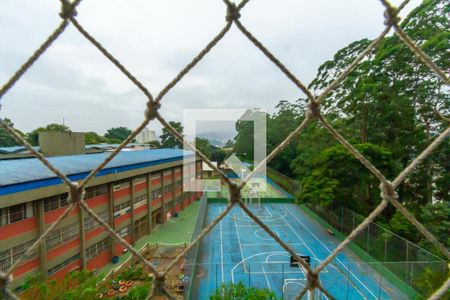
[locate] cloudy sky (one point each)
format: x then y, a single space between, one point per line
155 39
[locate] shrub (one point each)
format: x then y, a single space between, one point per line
240 291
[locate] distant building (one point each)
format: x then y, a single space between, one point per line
146 136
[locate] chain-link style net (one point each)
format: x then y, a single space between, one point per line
312 114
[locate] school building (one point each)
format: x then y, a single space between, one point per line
134 193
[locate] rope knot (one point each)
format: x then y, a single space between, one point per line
76 193
391 16
235 194
314 110
388 192
67 10
152 110
232 13
312 280
4 281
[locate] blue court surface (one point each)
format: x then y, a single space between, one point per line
238 250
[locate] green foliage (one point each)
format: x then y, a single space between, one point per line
203 146
428 282
339 179
240 291
167 138
117 134
33 137
92 138
139 292
5 138
134 273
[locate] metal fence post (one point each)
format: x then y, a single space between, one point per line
282 280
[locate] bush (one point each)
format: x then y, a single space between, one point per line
137 293
240 291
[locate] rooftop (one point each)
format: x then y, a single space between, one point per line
20 171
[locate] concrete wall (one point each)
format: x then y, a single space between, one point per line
61 143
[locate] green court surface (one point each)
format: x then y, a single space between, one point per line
177 230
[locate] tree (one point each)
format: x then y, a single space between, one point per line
203 146
117 134
167 138
92 138
240 291
6 140
218 155
33 136
339 179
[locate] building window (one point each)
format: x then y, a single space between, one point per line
140 200
62 235
90 223
15 213
124 231
55 202
97 248
168 205
178 183
156 176
11 255
156 194
59 266
96 191
122 208
139 179
121 184
168 188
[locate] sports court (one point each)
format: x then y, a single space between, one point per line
237 249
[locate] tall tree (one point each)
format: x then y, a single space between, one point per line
5 138
167 138
118 133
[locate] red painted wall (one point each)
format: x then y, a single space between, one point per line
99 261
122 218
57 251
122 192
61 273
94 232
52 215
141 186
140 209
26 267
119 247
18 228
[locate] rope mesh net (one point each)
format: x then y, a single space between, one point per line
312 114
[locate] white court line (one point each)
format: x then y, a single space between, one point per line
265 275
271 244
239 241
265 207
348 270
221 247
275 225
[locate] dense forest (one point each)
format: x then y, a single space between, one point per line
390 107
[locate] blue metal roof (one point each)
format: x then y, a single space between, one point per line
18 149
30 173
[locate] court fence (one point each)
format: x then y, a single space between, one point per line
192 255
152 113
405 260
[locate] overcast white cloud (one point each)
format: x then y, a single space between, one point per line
155 39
